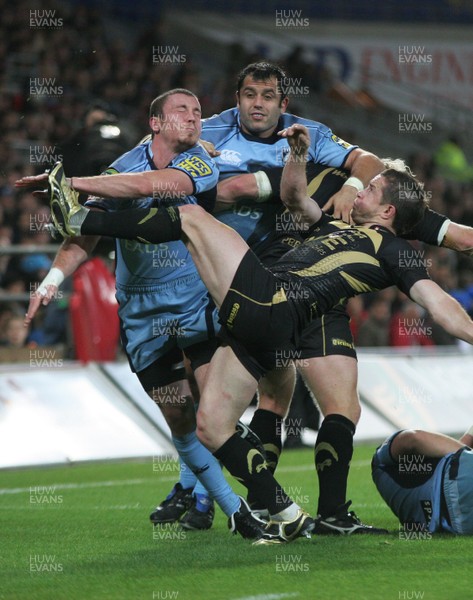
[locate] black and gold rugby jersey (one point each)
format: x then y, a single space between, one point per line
337 261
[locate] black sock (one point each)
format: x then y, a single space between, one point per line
247 465
333 452
267 426
148 225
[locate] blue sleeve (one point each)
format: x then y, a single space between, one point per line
328 148
199 166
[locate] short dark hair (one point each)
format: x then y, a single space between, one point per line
156 107
407 195
261 71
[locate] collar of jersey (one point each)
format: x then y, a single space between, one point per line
253 138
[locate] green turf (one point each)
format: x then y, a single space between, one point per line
94 542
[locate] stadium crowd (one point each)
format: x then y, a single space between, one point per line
50 76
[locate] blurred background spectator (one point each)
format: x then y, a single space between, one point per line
80 92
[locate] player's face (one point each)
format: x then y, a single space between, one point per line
260 106
180 122
368 202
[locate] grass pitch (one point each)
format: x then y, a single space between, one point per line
82 532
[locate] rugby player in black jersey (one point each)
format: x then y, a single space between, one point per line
263 311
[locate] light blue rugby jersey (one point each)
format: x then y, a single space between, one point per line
244 153
142 265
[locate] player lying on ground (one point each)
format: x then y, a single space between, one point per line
427 481
263 311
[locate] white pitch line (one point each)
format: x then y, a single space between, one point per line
80 486
117 482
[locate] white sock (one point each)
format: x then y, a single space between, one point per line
288 514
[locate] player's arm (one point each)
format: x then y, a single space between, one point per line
136 185
443 309
294 178
239 187
459 237
363 166
426 443
167 182
70 256
257 187
467 438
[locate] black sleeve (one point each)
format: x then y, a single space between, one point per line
322 181
274 176
207 199
405 264
427 230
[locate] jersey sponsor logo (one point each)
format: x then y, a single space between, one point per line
339 342
195 166
233 314
426 506
340 142
230 157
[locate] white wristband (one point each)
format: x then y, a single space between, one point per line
442 233
355 182
264 186
470 431
54 277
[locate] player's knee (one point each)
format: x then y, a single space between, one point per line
406 441
179 417
204 430
348 407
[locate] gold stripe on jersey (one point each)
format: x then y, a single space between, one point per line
335 261
314 185
324 349
278 297
356 284
374 236
150 215
341 224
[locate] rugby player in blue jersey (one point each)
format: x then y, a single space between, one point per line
251 160
164 307
426 479
260 308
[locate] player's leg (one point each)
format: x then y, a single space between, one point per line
165 383
412 493
338 401
216 249
275 391
328 365
178 410
228 391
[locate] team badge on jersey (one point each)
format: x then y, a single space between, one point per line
340 142
195 166
230 157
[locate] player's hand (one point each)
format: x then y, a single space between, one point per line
32 180
298 138
41 297
341 203
210 148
